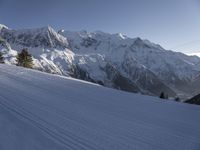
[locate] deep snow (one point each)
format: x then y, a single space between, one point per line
40 111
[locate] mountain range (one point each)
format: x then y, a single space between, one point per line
112 60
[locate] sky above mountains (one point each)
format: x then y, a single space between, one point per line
174 24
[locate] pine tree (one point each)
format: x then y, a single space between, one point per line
24 59
162 95
1 58
177 99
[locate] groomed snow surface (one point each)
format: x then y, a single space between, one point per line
39 111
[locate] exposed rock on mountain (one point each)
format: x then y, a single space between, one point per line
112 60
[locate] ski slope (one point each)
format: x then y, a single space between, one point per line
40 111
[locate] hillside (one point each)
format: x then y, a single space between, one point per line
47 112
112 60
194 100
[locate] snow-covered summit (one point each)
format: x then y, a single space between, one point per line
112 60
3 26
45 37
171 67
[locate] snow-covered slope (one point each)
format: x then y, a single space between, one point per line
176 70
112 60
49 112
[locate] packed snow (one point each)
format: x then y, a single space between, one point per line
49 112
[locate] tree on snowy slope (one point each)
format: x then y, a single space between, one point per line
24 59
1 58
162 95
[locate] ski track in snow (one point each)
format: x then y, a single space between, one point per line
43 111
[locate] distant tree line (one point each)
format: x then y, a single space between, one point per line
165 96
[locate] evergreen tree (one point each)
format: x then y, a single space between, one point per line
162 95
24 59
177 99
1 58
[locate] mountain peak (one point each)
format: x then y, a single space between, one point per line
122 36
3 26
37 37
47 28
139 42
107 58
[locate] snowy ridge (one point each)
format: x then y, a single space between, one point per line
60 113
112 60
40 37
3 26
173 69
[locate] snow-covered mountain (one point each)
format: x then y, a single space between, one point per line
112 60
40 111
45 37
3 26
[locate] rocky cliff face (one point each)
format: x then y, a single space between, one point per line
112 60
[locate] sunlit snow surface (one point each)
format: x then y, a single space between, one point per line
39 111
194 54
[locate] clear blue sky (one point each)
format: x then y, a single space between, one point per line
175 24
